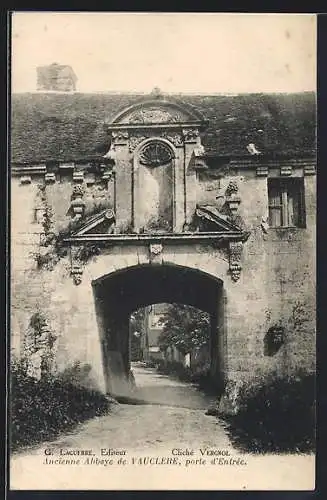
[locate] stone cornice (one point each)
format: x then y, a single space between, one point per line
40 168
262 158
173 237
261 163
156 126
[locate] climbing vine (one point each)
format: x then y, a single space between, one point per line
38 346
55 243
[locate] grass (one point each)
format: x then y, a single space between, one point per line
43 409
275 416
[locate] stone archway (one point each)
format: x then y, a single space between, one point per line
117 294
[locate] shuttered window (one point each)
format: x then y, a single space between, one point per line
286 202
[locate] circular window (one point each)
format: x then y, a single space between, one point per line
155 154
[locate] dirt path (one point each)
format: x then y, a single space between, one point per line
173 419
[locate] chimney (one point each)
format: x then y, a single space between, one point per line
56 78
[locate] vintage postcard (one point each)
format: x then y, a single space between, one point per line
163 208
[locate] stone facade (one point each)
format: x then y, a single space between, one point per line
84 254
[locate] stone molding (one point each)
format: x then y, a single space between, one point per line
309 169
286 170
78 176
230 244
262 171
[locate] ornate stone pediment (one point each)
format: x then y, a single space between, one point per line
217 220
234 235
102 223
157 111
154 115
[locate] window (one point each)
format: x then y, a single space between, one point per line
286 202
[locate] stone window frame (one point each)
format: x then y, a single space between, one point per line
286 202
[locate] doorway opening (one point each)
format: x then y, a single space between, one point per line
120 295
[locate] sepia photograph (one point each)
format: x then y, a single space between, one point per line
162 176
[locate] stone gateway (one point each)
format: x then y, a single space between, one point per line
121 201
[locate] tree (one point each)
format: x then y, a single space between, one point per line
184 327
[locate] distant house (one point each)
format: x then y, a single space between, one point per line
56 77
153 328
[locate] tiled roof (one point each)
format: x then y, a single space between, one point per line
69 127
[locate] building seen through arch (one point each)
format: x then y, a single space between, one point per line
122 201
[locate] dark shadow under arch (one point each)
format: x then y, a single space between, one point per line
119 293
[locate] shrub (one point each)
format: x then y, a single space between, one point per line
42 409
77 374
275 416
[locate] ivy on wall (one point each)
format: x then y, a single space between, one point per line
54 242
39 343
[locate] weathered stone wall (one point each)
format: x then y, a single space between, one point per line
276 286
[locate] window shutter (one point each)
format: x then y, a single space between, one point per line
275 219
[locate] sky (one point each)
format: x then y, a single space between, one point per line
177 52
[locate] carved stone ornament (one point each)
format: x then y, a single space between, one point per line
235 256
232 200
155 154
155 248
77 273
110 214
232 188
135 141
120 137
78 191
76 266
77 205
154 115
175 139
190 135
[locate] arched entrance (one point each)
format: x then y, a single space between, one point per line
118 294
